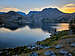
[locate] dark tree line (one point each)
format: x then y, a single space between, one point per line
72 25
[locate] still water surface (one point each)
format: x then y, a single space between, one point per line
25 35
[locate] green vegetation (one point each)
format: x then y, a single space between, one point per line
53 39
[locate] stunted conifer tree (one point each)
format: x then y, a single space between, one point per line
72 25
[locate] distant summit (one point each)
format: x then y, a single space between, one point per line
11 13
21 13
11 10
45 10
33 12
2 12
51 10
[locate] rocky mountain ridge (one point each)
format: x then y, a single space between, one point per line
47 15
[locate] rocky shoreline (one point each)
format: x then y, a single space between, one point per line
64 46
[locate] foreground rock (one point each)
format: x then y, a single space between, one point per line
65 53
73 44
34 54
58 46
51 53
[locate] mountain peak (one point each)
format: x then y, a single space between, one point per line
52 9
33 12
9 9
21 13
11 13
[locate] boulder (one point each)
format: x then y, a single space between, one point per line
34 54
58 46
73 44
62 51
46 47
51 53
1 52
68 54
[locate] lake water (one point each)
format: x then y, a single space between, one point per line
27 35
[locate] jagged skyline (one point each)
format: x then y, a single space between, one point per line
37 5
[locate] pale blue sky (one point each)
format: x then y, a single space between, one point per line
30 4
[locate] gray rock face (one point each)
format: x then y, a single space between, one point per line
67 17
50 13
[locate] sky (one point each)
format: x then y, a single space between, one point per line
67 6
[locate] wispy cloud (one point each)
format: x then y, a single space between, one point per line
68 8
9 9
70 5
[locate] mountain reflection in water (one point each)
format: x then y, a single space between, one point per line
62 26
28 34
